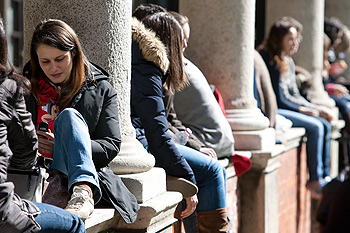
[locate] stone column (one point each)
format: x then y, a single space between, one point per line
103 28
340 9
310 54
222 45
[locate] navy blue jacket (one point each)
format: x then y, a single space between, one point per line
148 114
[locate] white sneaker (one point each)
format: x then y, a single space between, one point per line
80 203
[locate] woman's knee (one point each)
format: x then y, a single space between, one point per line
68 113
217 170
70 118
315 128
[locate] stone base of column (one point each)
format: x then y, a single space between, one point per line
246 119
156 215
157 206
146 185
320 98
254 140
132 158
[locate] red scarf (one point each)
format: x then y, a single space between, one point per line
47 112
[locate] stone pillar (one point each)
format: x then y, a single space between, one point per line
222 45
259 195
340 9
103 28
310 54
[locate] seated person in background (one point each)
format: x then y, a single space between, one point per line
151 76
338 92
282 42
196 108
18 149
339 43
263 90
266 98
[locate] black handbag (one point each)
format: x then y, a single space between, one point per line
29 184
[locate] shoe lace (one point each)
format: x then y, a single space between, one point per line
77 201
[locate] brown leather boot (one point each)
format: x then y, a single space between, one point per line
212 221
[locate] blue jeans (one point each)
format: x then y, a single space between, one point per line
318 143
210 177
53 219
72 153
342 103
344 107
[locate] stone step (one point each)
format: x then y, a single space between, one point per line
155 215
99 220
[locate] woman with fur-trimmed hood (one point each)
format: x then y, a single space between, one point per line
150 70
157 66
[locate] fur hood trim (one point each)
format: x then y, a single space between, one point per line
152 48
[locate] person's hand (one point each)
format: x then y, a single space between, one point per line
209 151
337 68
340 90
309 111
325 113
46 141
191 203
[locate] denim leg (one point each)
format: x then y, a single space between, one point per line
72 151
326 146
53 219
315 138
342 103
210 177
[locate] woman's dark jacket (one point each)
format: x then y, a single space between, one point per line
149 66
96 101
17 139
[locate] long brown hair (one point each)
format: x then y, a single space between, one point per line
60 35
274 42
169 31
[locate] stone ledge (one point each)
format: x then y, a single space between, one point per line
267 159
154 216
146 185
254 140
99 220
